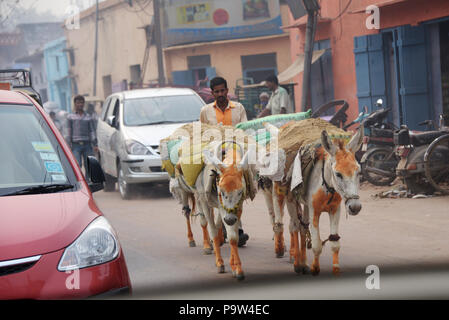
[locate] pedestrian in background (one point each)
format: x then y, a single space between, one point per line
81 132
279 102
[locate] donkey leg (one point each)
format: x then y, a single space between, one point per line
279 202
293 228
317 246
219 225
213 232
236 264
207 248
186 211
303 230
334 239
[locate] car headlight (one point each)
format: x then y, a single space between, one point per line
136 148
97 244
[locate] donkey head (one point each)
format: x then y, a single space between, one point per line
344 169
231 186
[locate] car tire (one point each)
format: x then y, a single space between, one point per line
109 183
125 189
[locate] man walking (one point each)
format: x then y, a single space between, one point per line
81 132
227 112
279 102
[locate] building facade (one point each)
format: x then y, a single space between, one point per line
126 55
57 69
402 60
245 48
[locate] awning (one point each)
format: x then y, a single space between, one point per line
379 3
294 69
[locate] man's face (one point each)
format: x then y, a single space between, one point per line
79 105
270 85
220 93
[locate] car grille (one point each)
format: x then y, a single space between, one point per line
16 266
156 169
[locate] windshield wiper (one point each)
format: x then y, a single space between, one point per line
48 188
162 122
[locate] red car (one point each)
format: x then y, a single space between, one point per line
54 241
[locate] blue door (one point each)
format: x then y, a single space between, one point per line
414 79
370 70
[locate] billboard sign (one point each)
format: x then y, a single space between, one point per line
190 21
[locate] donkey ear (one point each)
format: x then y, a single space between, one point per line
210 158
356 140
327 143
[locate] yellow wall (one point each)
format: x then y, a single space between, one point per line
226 56
121 43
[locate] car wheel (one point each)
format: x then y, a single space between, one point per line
124 188
109 183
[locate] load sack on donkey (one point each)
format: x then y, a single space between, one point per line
182 153
297 145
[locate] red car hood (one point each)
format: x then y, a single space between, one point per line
37 224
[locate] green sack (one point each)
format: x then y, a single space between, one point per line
276 120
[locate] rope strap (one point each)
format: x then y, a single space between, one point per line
332 237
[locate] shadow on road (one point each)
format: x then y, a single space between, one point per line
423 281
152 191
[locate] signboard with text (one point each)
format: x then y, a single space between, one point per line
190 21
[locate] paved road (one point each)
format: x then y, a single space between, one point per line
403 237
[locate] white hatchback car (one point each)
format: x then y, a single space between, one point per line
129 130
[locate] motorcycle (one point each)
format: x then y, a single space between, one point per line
379 160
418 156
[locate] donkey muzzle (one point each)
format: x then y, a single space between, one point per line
353 206
230 219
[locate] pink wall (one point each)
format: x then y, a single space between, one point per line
342 31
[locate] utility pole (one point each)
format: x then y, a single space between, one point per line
96 50
312 8
158 40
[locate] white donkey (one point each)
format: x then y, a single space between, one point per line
230 176
334 177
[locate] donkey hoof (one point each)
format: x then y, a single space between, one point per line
279 254
207 251
336 271
302 269
240 276
234 274
221 269
315 271
192 244
292 259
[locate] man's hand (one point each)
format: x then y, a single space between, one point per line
265 112
95 148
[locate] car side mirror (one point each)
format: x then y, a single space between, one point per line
95 174
111 120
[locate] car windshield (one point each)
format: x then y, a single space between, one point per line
156 110
32 158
